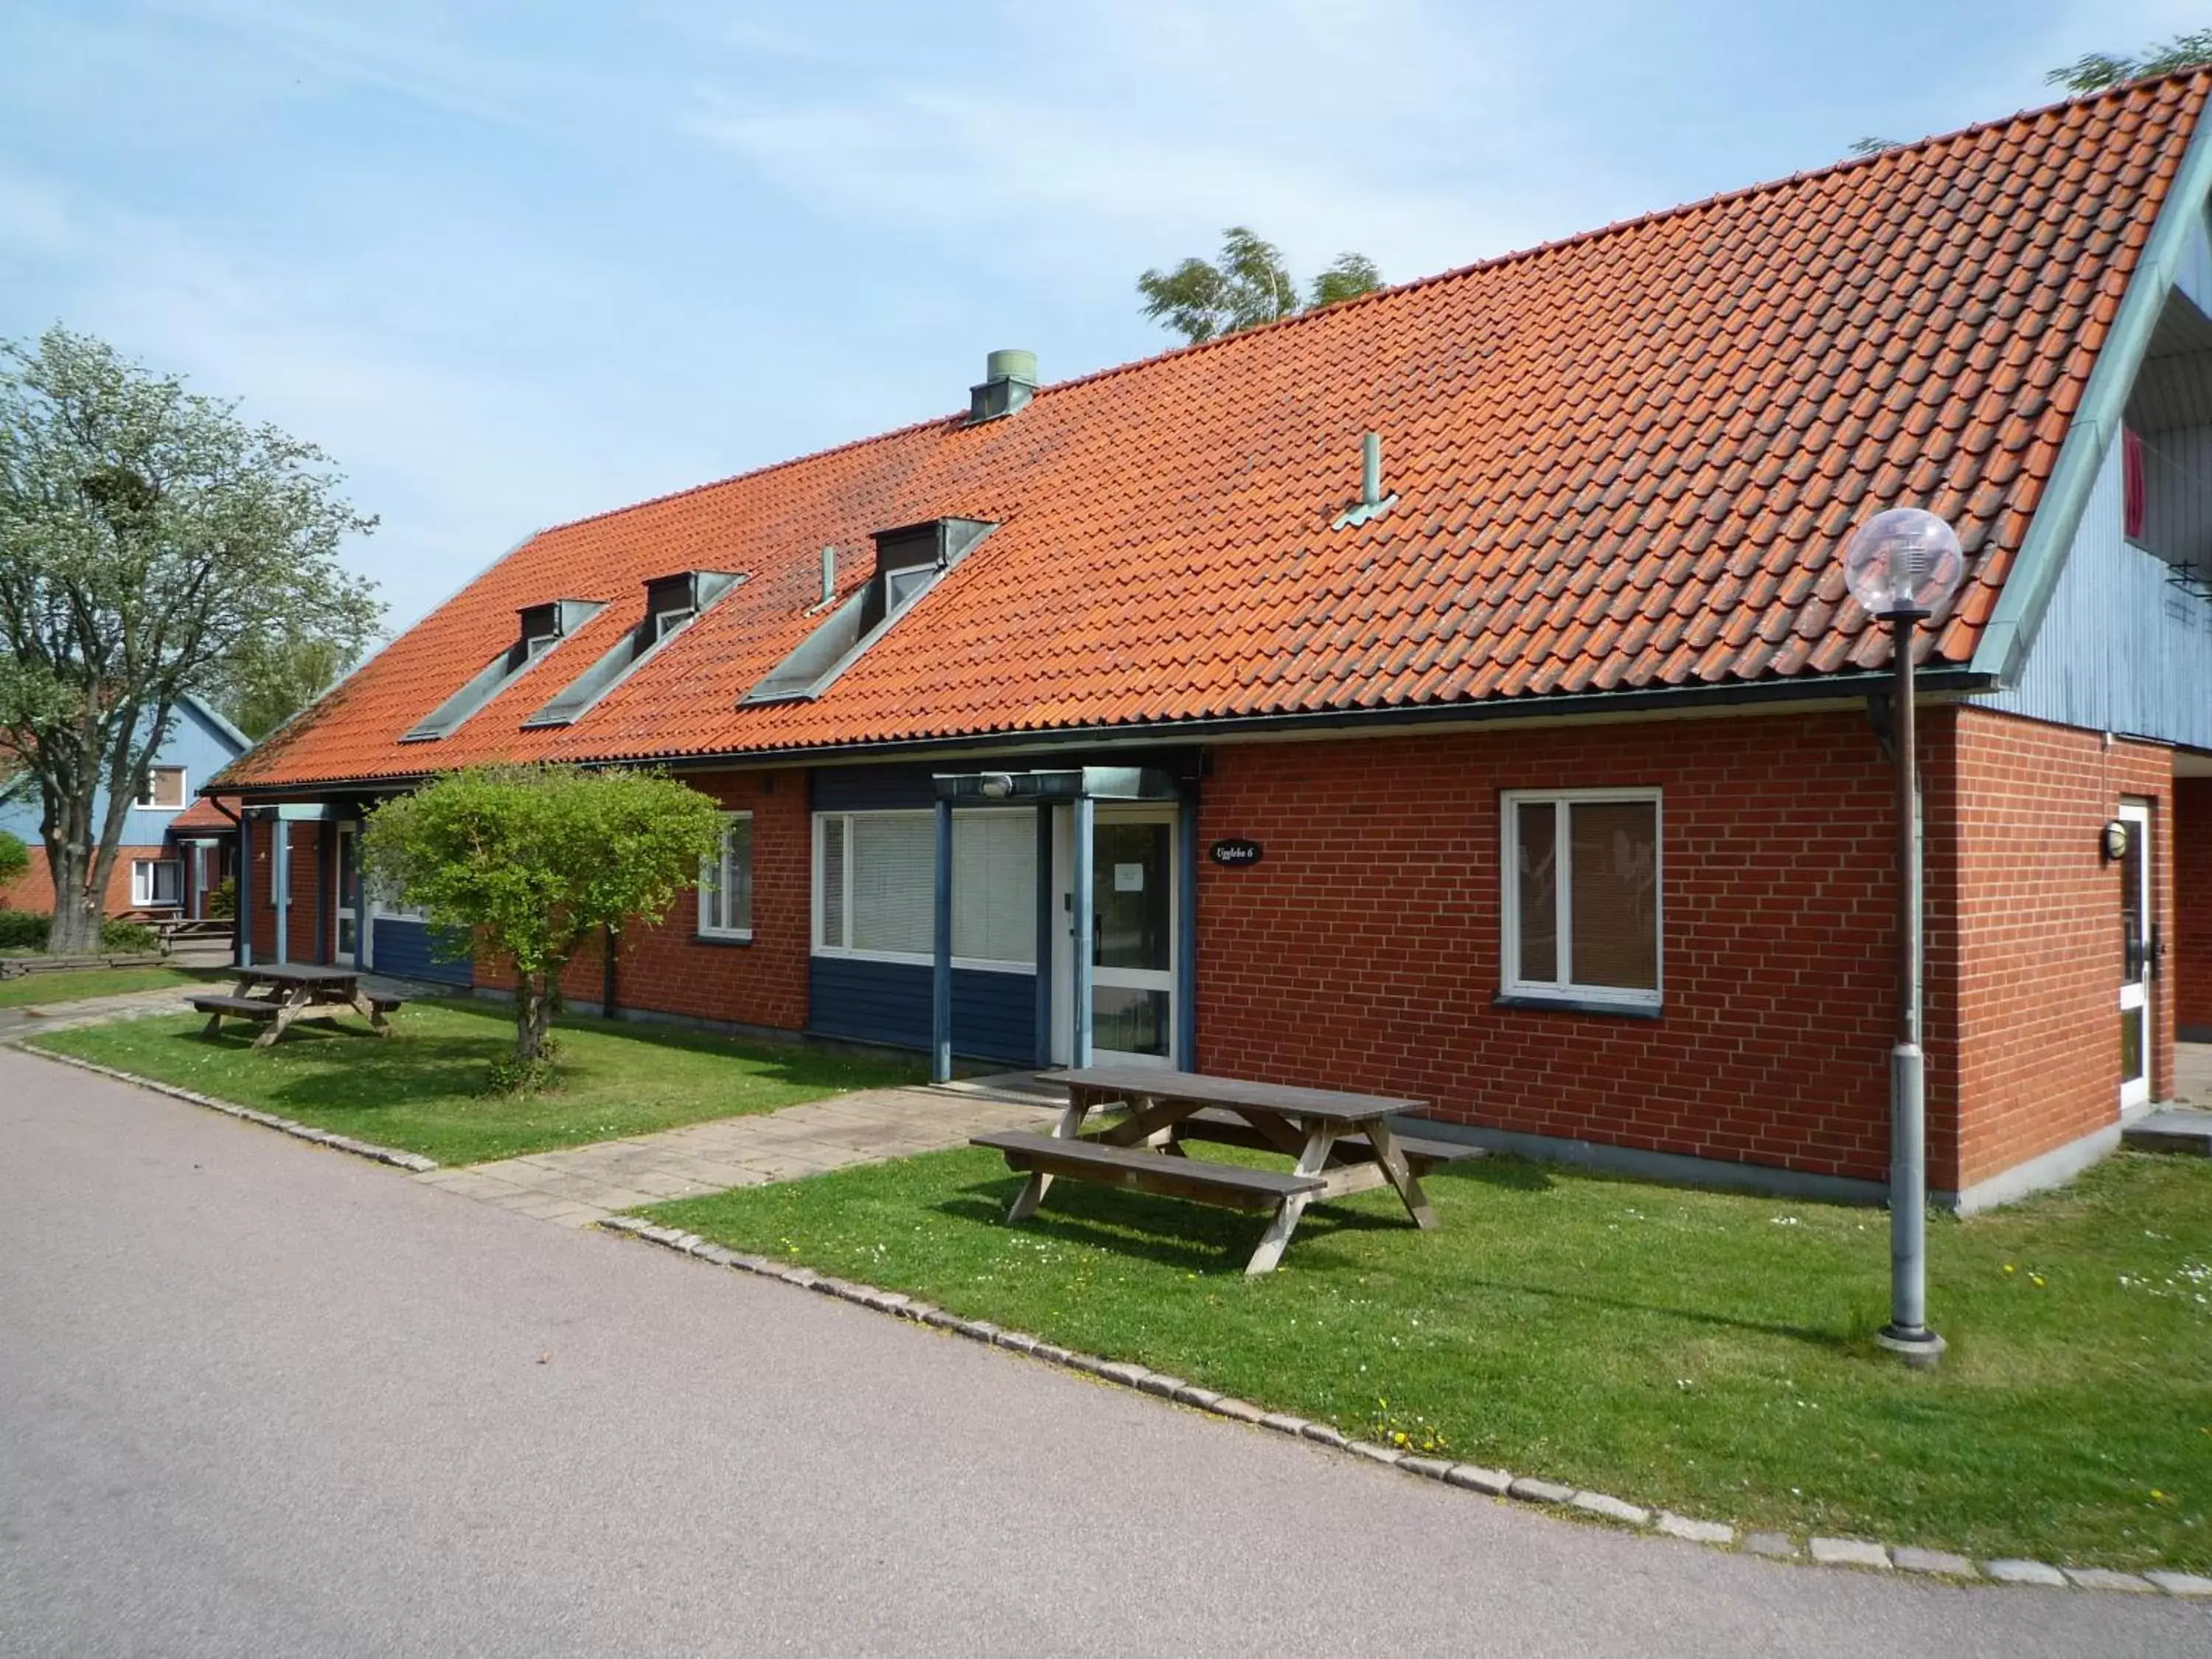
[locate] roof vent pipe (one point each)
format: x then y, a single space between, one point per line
829 574
1010 380
1372 502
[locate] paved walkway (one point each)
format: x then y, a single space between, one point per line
16 1023
585 1184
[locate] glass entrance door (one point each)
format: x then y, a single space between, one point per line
2135 957
343 902
1133 925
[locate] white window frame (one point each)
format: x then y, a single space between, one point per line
846 952
710 895
143 883
145 802
1564 989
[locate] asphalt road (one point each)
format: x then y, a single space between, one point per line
260 1398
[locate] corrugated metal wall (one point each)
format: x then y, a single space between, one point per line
2121 648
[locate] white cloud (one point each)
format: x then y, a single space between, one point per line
1154 124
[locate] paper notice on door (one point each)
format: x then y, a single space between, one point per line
1128 877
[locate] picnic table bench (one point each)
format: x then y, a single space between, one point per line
1340 1144
297 991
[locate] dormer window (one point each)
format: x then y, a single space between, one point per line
672 605
541 627
909 562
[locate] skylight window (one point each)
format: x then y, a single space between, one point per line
541 628
909 562
672 605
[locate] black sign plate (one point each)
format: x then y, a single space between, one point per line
1236 851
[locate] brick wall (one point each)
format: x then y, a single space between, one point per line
667 970
2189 961
303 885
35 889
2036 950
1363 951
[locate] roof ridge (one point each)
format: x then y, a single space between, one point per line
1496 261
1638 221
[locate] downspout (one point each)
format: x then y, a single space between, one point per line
609 988
1186 966
242 898
2025 596
940 977
280 884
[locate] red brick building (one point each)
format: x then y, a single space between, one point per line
1452 693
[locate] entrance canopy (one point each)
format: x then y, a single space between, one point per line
1079 788
1054 786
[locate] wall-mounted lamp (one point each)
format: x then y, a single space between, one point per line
2113 841
997 786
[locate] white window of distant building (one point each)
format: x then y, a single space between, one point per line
1581 908
725 882
165 789
157 881
875 887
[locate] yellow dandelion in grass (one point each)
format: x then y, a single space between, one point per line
2008 1267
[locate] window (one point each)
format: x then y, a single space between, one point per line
155 881
165 789
875 887
725 882
666 622
1581 902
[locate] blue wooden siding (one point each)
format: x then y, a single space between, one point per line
194 743
2193 275
404 950
993 1014
2121 648
873 788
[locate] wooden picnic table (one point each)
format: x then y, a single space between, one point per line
1340 1143
276 994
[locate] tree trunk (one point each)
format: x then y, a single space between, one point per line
78 911
533 1018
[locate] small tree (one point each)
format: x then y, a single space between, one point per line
2097 69
14 857
150 541
1249 286
534 860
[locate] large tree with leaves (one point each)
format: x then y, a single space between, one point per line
533 862
150 542
1246 285
2096 70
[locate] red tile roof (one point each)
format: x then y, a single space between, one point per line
1624 460
204 815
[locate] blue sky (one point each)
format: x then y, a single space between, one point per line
515 264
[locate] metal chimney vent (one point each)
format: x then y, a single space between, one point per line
1010 381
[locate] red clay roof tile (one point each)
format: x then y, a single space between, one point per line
1627 460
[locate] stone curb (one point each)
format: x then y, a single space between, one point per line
414 1162
1849 1552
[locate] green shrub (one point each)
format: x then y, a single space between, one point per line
14 857
128 936
27 930
222 903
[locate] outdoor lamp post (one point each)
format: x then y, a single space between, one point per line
1900 566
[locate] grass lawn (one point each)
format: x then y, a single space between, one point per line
419 1090
40 988
1704 1351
